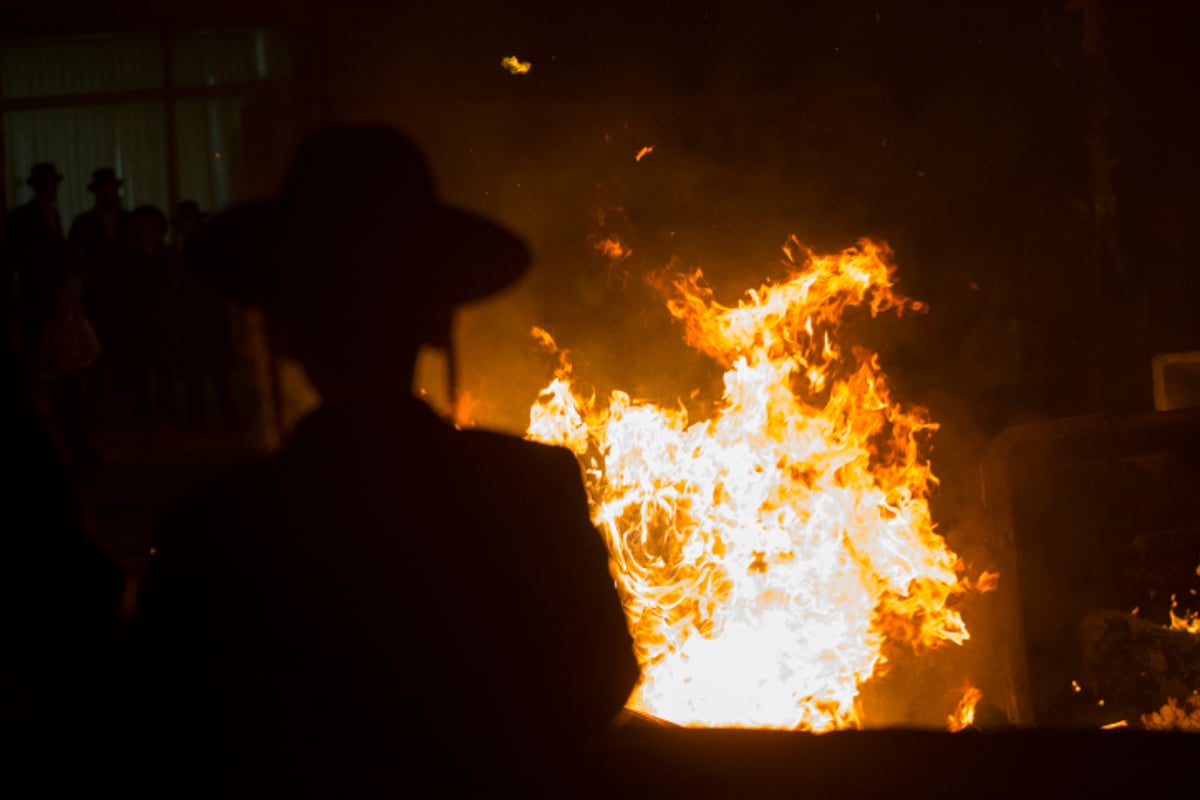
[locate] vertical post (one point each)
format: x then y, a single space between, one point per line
5 274
3 156
316 63
1107 353
167 42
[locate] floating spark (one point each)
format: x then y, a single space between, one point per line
515 65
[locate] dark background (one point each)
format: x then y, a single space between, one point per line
1029 162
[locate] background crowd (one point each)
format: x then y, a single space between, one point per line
108 323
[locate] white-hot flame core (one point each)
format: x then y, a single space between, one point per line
765 555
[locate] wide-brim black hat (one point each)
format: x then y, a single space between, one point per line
383 238
102 176
45 171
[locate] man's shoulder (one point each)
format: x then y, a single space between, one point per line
83 220
21 212
23 219
223 502
509 449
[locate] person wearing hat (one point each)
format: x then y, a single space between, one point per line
387 599
37 248
60 592
106 219
99 243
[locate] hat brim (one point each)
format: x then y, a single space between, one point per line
249 254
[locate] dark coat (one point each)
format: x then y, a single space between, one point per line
102 262
387 598
38 254
60 606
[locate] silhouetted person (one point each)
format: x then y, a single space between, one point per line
60 604
388 599
67 348
206 350
37 248
99 242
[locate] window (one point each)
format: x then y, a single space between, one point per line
104 101
56 67
213 59
209 142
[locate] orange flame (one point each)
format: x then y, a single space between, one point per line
1188 623
466 410
964 714
544 338
612 247
767 554
645 151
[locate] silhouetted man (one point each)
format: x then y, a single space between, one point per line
99 242
60 606
387 600
38 251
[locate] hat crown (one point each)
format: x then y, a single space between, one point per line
340 171
45 170
356 224
104 175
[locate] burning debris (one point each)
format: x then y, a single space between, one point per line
1175 716
1139 669
770 554
1188 623
1135 664
645 151
515 65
